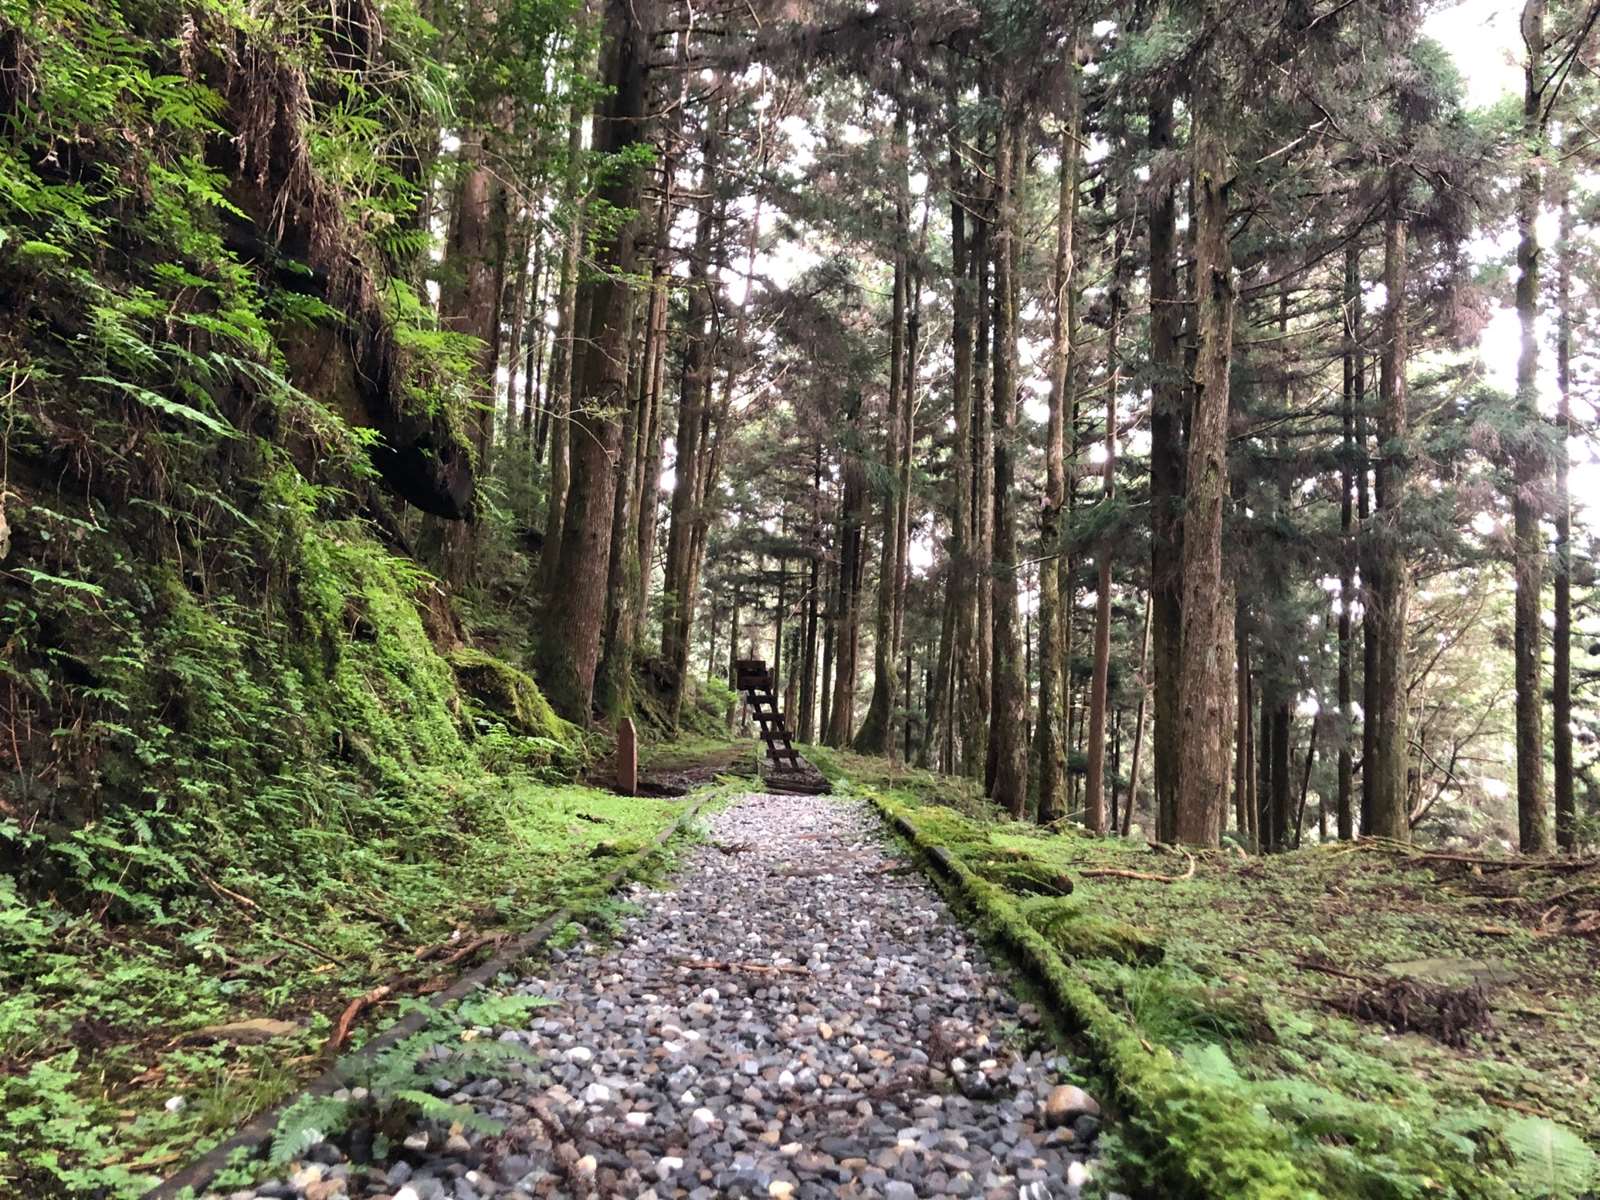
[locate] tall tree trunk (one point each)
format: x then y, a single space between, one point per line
571 315
983 490
937 706
1052 754
733 654
1205 679
1009 788
1561 669
1241 723
614 679
526 283
1282 723
1167 403
1353 369
967 715
677 588
1305 789
779 611
1139 721
575 606
1528 467
1370 643
473 270
830 629
1390 591
533 390
647 479
806 726
1099 683
533 354
877 733
847 641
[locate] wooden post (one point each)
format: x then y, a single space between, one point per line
627 758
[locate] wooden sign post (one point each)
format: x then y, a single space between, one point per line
627 758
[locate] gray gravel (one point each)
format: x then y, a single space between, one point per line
800 1017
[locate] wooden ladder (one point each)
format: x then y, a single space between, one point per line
755 681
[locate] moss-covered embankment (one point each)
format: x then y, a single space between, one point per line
252 763
1235 1008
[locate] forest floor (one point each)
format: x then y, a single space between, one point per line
126 1047
798 1015
1399 1013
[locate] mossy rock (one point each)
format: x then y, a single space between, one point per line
510 694
1025 876
1078 933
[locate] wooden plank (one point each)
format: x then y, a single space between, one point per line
627 758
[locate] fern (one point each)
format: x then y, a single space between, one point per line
494 1011
1552 1159
430 1108
306 1122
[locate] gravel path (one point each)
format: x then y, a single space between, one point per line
800 1017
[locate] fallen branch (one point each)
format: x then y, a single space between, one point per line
353 1010
1147 876
471 947
307 946
1307 964
424 953
228 893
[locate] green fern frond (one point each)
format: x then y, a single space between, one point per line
309 1120
1552 1160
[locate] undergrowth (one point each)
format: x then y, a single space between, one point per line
1210 1004
254 762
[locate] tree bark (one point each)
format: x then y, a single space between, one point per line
1139 722
1561 667
614 679
1353 369
967 713
877 733
983 491
571 315
1167 404
677 588
1052 752
1390 590
1241 723
1278 803
847 641
830 625
1205 682
1009 788
1528 467
647 481
473 271
1100 675
576 606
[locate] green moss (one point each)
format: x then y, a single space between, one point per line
1076 931
1194 1119
1028 876
509 693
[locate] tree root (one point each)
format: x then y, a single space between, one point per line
1147 876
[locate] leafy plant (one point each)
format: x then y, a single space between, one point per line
1551 1160
396 1087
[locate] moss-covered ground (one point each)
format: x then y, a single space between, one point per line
1351 1020
109 1075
